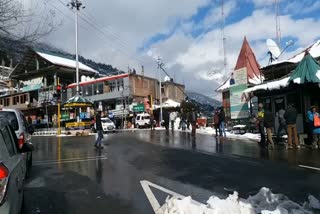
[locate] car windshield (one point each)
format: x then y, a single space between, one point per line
11 118
146 117
106 120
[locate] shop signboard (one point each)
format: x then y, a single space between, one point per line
238 102
138 108
65 116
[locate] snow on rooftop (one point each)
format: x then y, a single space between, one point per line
314 50
57 60
270 85
224 86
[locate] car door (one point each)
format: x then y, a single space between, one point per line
14 162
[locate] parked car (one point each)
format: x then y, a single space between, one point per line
143 120
108 125
22 129
12 169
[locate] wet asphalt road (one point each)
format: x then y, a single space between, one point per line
71 176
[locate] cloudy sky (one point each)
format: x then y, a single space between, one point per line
186 34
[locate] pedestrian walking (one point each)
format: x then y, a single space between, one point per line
99 130
260 120
268 122
152 122
173 117
282 124
222 118
291 119
166 118
216 122
193 122
314 121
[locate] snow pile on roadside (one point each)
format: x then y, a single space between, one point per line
264 202
250 136
211 131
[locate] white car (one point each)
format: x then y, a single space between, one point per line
143 120
107 125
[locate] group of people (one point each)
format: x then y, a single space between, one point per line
219 118
287 122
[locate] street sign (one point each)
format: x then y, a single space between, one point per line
138 108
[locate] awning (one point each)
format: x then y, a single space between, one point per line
78 101
273 85
308 70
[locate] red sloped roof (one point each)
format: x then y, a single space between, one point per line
247 59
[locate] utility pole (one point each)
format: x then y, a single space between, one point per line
278 27
77 5
224 38
59 111
160 93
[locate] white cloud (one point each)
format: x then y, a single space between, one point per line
189 60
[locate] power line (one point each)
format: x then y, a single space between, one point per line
96 28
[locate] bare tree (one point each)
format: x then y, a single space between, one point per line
24 25
21 28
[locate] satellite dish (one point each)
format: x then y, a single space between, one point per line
166 79
273 48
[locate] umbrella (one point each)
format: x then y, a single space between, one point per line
308 70
78 101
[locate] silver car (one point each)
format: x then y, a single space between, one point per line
22 129
12 170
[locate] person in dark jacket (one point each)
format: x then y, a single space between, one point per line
166 119
193 120
268 122
222 120
291 119
99 130
216 121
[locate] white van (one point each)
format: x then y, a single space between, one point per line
143 120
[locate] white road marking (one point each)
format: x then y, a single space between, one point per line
68 161
309 167
157 208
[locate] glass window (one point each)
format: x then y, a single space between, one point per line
11 118
8 141
106 120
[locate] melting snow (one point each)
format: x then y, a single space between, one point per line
264 202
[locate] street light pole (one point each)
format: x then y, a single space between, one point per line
160 93
77 5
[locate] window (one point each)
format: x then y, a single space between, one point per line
6 102
22 99
8 141
15 100
11 118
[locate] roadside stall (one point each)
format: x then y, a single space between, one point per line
80 113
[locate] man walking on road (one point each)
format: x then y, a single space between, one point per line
173 116
222 118
216 122
260 119
282 124
291 118
99 130
268 123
